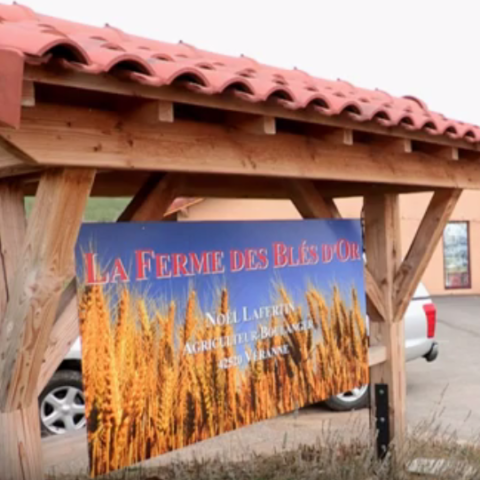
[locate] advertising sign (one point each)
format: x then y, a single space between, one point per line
190 330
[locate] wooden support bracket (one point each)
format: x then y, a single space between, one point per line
421 250
309 202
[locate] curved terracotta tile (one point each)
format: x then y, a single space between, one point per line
100 49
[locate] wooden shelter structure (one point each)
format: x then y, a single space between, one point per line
90 111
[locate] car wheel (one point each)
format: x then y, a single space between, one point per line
62 403
353 400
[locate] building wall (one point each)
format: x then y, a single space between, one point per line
412 208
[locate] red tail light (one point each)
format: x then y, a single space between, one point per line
431 314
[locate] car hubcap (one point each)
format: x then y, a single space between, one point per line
353 395
63 410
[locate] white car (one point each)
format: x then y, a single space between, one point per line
62 403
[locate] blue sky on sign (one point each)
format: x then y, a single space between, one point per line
250 289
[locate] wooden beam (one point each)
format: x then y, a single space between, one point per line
23 425
50 239
421 250
125 183
121 183
116 86
232 186
56 135
383 251
150 204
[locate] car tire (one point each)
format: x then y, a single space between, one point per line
62 403
354 400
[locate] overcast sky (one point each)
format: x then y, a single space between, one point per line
425 48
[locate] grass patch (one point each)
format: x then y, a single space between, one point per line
330 458
98 209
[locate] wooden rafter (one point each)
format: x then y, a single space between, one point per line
421 250
150 204
116 86
56 135
47 252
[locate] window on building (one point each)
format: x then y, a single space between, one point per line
456 255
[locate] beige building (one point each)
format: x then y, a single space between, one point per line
453 270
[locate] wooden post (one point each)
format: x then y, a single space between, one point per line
149 204
33 298
383 252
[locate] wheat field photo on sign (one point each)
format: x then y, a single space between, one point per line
193 330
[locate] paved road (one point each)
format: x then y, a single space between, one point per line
450 387
445 392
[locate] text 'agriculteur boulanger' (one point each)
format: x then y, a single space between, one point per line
150 265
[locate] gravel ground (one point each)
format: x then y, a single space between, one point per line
445 392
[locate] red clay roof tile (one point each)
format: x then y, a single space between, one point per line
98 50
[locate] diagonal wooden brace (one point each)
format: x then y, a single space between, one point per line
421 250
310 204
48 250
